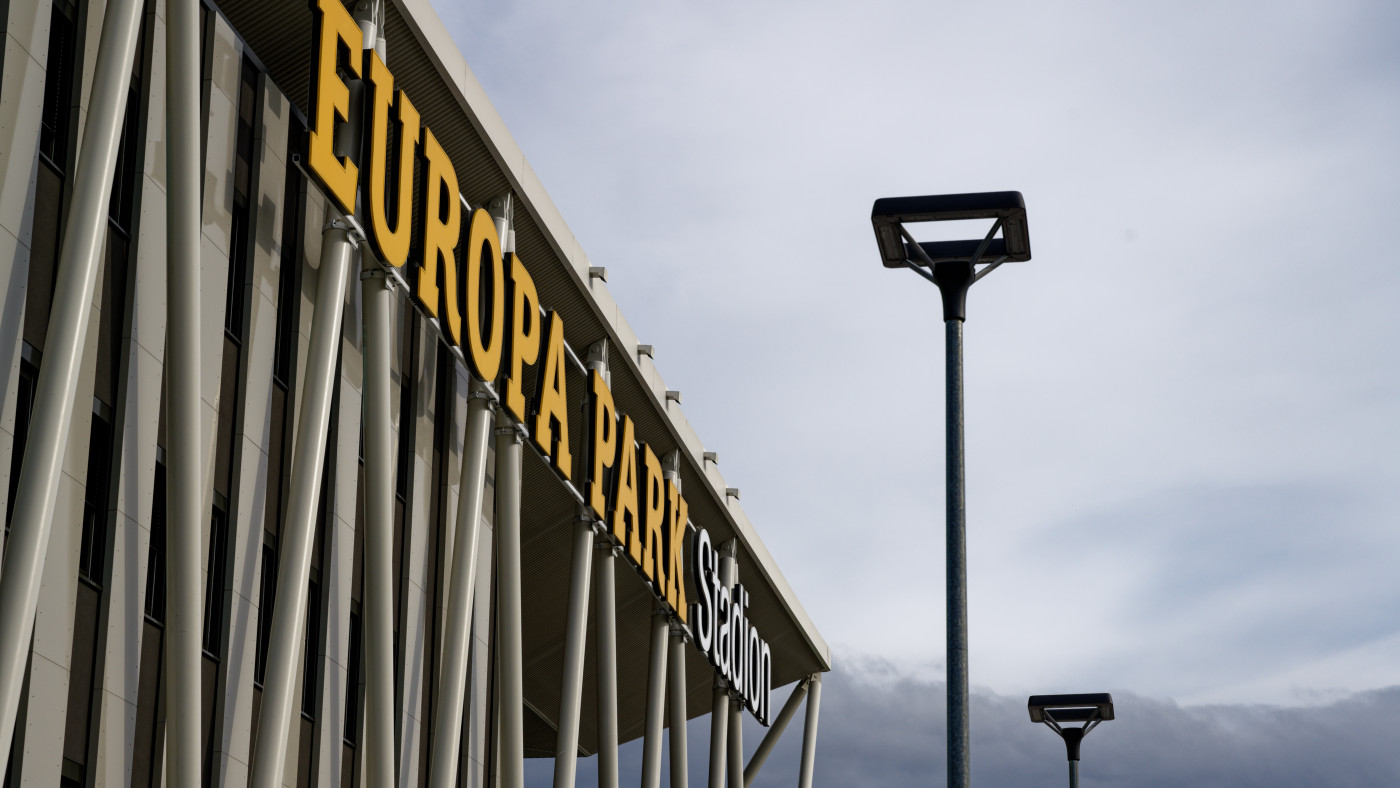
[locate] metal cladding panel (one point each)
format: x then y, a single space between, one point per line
279 36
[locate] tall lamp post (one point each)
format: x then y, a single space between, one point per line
952 266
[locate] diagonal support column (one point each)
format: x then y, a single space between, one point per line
576 625
770 739
719 733
735 759
78 264
308 461
656 699
185 484
719 710
575 641
447 728
379 530
675 699
606 593
510 439
809 732
376 294
675 673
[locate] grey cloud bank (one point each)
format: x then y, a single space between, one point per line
891 734
882 728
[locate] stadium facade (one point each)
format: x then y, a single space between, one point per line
328 458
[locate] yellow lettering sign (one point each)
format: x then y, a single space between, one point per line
486 313
442 221
339 48
524 335
551 430
602 443
677 516
390 240
653 520
625 517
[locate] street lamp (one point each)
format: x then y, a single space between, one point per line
1090 709
952 266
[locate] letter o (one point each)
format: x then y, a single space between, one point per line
484 354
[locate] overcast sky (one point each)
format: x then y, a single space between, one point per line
1182 416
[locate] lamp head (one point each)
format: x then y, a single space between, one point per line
890 213
1071 708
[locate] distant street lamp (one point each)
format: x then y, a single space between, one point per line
1090 709
952 267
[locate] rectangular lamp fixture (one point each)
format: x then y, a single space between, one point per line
889 213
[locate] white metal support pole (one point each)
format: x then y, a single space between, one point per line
575 640
719 710
78 265
735 759
379 529
736 741
775 732
719 733
675 672
607 662
509 440
376 289
576 626
675 699
452 698
308 461
809 732
185 490
656 699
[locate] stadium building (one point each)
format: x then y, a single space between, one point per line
328 458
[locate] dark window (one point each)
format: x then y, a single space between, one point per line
92 553
146 746
214 590
242 188
58 86
24 408
123 199
287 296
266 598
407 348
155 561
352 681
311 662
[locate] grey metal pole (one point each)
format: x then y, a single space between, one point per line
656 700
959 766
809 732
375 292
575 640
719 733
775 731
607 663
1074 774
736 742
57 387
719 709
452 695
675 666
509 439
675 694
308 461
379 531
185 490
